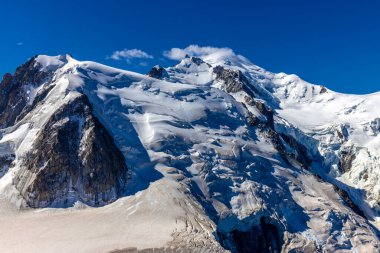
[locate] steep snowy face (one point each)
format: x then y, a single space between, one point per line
339 131
57 149
333 134
215 132
345 128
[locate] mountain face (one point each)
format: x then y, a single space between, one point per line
74 157
214 154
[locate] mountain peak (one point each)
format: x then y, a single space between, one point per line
52 63
243 159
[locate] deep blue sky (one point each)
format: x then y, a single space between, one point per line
335 43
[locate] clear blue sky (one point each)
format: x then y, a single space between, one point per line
330 42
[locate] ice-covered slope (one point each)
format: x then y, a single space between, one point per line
340 129
213 159
346 128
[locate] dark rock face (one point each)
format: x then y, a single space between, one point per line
323 89
299 151
252 120
262 108
13 96
263 238
347 200
5 163
234 81
158 72
74 158
198 61
347 156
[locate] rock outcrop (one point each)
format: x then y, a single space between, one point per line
14 92
234 81
264 238
74 158
158 72
347 157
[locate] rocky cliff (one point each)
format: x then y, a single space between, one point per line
213 153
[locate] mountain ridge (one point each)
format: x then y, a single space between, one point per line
240 145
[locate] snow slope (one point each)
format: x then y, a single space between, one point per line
200 173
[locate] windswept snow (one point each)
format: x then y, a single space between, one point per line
141 221
196 167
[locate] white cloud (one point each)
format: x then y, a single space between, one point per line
195 50
128 54
20 43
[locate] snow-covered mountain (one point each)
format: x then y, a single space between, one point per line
214 154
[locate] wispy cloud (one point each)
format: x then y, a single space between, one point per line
195 50
143 63
20 43
129 54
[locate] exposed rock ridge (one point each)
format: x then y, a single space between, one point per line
288 146
158 72
234 81
14 95
74 158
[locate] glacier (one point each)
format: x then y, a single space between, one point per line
220 156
